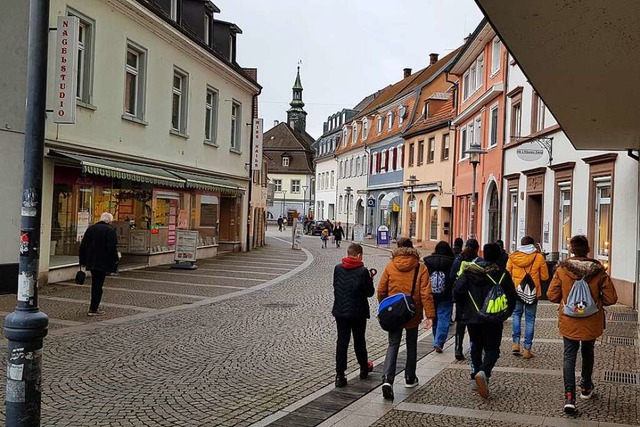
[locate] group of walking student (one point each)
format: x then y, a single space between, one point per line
486 291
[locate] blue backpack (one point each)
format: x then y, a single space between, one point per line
396 310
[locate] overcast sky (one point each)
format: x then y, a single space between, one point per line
348 48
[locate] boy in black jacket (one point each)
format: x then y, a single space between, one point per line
469 293
352 285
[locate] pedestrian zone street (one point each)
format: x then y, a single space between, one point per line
248 339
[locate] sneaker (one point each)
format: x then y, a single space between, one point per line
387 390
474 386
515 349
412 383
527 354
341 380
438 348
586 392
569 403
482 383
95 313
364 372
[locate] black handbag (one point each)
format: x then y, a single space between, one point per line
396 310
80 276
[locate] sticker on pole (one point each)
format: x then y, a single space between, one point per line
26 286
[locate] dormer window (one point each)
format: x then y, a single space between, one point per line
355 133
379 124
285 161
344 137
390 119
402 113
174 10
365 129
208 23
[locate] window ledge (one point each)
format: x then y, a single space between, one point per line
212 144
180 134
234 151
134 119
86 105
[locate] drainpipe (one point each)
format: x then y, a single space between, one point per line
453 154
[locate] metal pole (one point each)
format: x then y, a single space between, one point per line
26 327
411 213
472 233
347 216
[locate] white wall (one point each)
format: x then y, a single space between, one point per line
326 194
356 182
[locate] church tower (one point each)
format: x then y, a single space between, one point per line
296 116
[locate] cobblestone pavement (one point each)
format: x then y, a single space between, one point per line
196 348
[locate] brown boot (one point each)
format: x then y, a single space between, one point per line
515 349
527 354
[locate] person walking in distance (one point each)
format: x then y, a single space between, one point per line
484 309
398 278
352 285
99 254
528 270
338 234
280 223
580 332
468 255
439 267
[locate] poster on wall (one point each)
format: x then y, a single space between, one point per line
138 241
186 245
183 219
83 224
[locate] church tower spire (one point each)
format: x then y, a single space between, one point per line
296 116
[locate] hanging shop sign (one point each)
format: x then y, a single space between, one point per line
530 151
64 108
256 156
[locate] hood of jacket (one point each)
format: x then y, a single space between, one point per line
582 267
480 269
523 258
437 262
405 259
350 263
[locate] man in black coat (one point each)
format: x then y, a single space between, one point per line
99 254
338 234
352 285
470 292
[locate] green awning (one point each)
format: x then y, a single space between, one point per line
124 170
202 182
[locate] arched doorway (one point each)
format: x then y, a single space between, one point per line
493 214
360 212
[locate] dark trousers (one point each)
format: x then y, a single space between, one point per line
569 364
347 327
392 354
485 338
338 242
97 280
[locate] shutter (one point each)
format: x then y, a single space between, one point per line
370 164
378 162
402 155
386 162
395 158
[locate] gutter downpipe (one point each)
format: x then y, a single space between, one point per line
454 153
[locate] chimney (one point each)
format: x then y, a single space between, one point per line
407 72
433 58
275 123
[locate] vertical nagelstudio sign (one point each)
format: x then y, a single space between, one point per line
66 70
256 156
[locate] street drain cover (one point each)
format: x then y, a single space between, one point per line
623 317
279 304
621 340
622 377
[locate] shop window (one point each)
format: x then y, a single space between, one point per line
564 224
602 222
513 219
433 219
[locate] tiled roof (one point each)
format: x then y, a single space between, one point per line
441 116
281 140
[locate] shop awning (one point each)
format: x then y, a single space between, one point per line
124 170
387 199
202 182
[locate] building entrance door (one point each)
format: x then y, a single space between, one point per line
534 217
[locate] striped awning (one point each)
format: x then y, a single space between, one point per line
202 182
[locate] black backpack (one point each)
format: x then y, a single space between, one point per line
495 308
526 289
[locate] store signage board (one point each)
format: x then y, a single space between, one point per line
186 246
358 233
256 156
530 151
64 108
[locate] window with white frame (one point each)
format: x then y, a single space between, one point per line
236 120
179 101
400 150
465 86
295 186
285 161
390 119
431 150
365 165
358 166
564 217
208 20
277 185
472 80
135 68
365 129
420 153
354 135
602 224
211 116
513 219
352 169
380 120
344 137
493 126
445 147
433 219
480 71
496 49
383 160
340 203
463 143
478 131
84 66
174 10
331 180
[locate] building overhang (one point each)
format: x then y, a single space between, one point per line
581 58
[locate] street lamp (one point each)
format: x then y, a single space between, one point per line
304 200
284 201
474 152
348 190
412 182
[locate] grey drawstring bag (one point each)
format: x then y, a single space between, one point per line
580 303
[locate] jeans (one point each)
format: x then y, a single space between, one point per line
392 354
97 280
529 323
345 328
484 338
569 364
442 322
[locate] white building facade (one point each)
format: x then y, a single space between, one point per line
553 191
